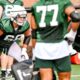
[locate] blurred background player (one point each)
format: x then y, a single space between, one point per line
13 28
4 13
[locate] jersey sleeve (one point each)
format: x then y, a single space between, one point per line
25 27
67 3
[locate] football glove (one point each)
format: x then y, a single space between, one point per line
70 37
24 55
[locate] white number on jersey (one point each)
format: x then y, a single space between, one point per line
11 37
46 9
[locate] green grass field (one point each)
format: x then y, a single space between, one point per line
75 74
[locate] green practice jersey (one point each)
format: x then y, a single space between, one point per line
51 20
7 27
7 5
13 33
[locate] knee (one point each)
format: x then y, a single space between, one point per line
64 75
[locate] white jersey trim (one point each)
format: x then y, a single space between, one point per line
51 51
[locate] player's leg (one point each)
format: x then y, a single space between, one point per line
9 65
64 68
45 69
46 73
4 60
64 75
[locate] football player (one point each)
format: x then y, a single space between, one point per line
3 11
50 20
13 28
5 6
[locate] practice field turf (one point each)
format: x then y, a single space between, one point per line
75 73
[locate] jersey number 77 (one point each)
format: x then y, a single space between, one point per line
46 9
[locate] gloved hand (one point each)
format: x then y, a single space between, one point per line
24 55
70 37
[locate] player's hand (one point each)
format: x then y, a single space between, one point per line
70 37
24 55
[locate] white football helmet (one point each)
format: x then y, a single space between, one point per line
14 11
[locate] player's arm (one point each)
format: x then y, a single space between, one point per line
73 14
27 38
33 26
34 31
75 18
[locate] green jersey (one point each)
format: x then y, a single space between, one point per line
51 20
12 33
7 5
